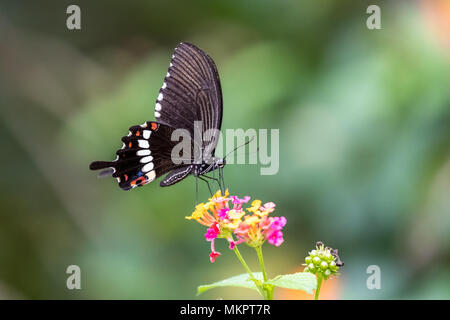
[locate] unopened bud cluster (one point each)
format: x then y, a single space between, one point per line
323 261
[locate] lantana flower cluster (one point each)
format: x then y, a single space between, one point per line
225 218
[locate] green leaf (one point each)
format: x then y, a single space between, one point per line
300 281
242 280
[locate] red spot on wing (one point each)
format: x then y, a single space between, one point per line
139 181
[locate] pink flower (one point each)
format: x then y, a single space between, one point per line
251 225
223 213
239 202
212 232
265 223
242 229
220 200
273 234
275 237
268 207
234 243
278 223
214 254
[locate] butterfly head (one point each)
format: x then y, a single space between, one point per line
215 163
220 163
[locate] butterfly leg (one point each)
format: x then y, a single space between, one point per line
196 191
221 178
207 182
218 181
215 179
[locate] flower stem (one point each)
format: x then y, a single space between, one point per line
319 283
241 259
267 288
257 283
261 262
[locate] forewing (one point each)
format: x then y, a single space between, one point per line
191 92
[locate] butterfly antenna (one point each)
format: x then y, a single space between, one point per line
256 151
244 144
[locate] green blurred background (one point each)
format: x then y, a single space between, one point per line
364 119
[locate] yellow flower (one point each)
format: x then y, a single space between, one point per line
261 213
209 205
256 204
198 213
235 214
252 220
218 194
233 225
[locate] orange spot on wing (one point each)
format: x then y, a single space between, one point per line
154 126
126 177
140 180
129 145
138 133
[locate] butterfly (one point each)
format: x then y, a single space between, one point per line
190 99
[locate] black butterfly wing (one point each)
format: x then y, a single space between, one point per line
191 92
145 155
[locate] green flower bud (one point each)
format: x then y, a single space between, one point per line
323 261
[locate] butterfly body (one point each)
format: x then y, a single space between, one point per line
204 168
190 95
197 170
